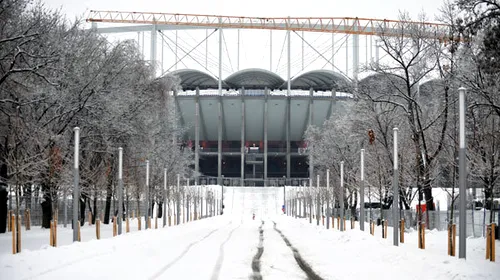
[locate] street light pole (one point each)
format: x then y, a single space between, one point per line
146 213
120 189
178 199
462 176
328 210
318 211
362 193
76 190
342 215
395 192
165 201
222 196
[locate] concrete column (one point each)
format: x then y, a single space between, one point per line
219 146
333 50
206 49
288 159
271 50
197 137
355 58
176 114
289 93
238 56
310 122
176 47
355 53
334 97
266 92
347 55
242 93
153 48
219 125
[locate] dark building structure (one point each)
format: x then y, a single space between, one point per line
251 132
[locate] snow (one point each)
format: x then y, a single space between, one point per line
223 247
354 254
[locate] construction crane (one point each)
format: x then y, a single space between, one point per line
153 22
345 25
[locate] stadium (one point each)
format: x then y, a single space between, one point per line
253 132
246 127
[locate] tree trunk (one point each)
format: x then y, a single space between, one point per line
83 199
46 206
107 209
3 207
92 210
429 200
152 207
3 199
36 193
27 195
96 211
353 206
160 210
138 205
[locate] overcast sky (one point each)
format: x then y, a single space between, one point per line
336 8
255 44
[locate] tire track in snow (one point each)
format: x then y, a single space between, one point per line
220 259
256 259
170 264
69 263
311 275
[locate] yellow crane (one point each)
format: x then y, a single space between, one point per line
345 25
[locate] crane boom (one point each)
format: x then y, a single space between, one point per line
345 25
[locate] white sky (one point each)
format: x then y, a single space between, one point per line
314 8
255 44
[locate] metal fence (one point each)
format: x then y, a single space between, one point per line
476 219
36 213
251 182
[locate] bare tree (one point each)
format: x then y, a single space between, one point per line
412 59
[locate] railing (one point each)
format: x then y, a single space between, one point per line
231 150
300 151
248 182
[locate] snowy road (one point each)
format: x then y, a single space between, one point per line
229 252
236 246
206 253
218 248
277 261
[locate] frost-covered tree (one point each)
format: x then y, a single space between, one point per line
55 76
337 141
411 60
478 25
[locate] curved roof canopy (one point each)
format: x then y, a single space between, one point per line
254 78
324 80
191 79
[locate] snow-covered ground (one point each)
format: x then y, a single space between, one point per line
224 247
354 254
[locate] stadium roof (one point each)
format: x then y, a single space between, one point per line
255 78
324 80
191 79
